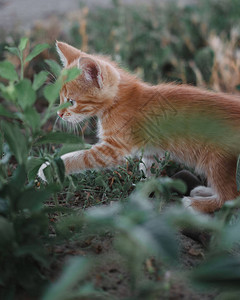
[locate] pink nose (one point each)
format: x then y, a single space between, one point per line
60 114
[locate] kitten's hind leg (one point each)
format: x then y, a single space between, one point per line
221 174
201 199
202 191
202 204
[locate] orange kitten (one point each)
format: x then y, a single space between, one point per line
197 127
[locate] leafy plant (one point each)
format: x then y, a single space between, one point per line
23 217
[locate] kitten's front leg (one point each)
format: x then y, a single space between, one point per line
40 173
149 161
101 155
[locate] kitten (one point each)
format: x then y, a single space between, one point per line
197 127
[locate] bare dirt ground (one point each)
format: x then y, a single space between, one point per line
24 13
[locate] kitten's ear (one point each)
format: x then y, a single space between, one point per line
91 71
67 53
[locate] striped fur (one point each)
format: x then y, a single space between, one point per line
134 115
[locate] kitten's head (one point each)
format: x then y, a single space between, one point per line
93 91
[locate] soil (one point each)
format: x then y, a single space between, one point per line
111 275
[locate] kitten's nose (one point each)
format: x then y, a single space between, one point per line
60 114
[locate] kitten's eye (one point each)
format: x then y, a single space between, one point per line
71 101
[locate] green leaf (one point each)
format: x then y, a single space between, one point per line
231 204
54 67
238 174
49 173
23 43
4 206
39 80
76 270
6 231
222 271
7 71
8 92
16 141
60 169
228 237
59 138
35 251
71 148
32 200
33 165
17 182
179 186
32 118
228 295
28 275
61 106
13 50
98 214
4 112
5 152
25 93
185 219
165 239
71 74
36 51
51 91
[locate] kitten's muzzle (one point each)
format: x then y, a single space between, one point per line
60 114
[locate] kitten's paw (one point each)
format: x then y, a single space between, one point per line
40 173
202 191
187 203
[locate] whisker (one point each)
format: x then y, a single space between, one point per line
51 74
77 125
64 125
91 124
75 128
81 128
55 123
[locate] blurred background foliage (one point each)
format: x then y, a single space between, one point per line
194 44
